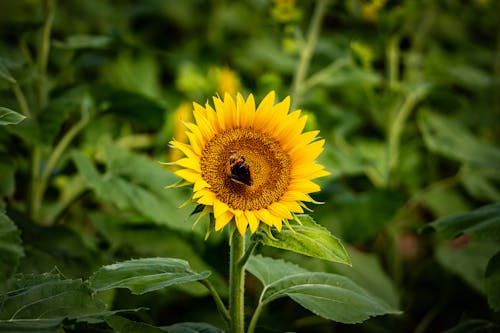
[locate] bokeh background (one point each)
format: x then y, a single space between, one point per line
406 94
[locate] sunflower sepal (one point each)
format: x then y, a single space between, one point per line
180 183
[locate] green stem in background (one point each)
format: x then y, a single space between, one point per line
307 51
218 302
21 99
397 125
54 157
236 282
43 53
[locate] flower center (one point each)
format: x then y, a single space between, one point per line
271 168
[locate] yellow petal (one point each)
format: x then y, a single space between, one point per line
253 222
278 209
302 185
220 208
241 223
188 174
200 184
204 125
222 220
189 163
295 196
186 149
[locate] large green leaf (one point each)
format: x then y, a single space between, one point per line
331 296
134 182
449 138
47 296
144 275
9 117
124 325
492 282
269 270
309 238
482 223
11 249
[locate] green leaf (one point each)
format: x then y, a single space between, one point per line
468 261
9 117
367 272
149 240
330 296
47 296
269 270
449 138
191 328
11 249
492 282
308 238
30 325
482 223
474 326
145 275
124 325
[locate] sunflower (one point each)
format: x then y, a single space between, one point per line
250 165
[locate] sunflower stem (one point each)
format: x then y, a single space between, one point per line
255 317
248 253
236 283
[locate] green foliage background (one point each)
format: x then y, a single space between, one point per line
406 94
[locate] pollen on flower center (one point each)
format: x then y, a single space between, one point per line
263 153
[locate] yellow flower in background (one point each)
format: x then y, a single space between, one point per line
181 115
228 81
250 165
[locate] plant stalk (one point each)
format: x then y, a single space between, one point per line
307 52
43 53
255 318
236 283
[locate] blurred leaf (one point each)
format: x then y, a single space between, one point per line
191 328
331 296
308 238
269 270
11 249
449 138
124 325
468 261
9 117
67 103
132 181
58 245
7 176
47 296
76 42
482 183
474 326
469 76
361 216
145 275
444 201
482 223
141 111
492 282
